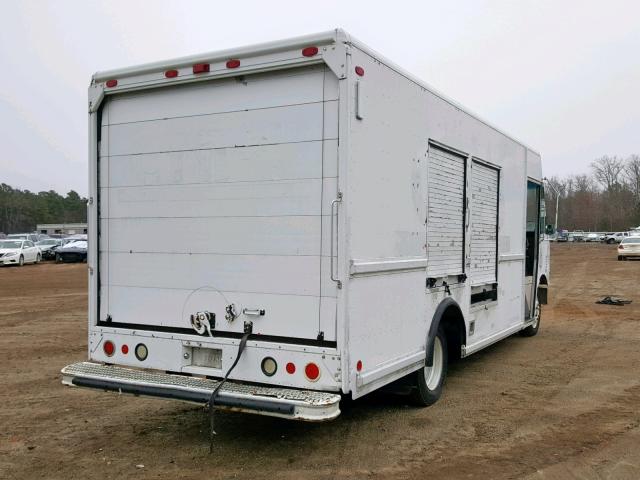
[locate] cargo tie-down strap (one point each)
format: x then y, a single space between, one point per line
212 399
613 301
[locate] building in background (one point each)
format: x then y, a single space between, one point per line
61 228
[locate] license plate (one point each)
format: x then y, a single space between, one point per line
206 357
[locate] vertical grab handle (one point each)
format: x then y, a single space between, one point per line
334 220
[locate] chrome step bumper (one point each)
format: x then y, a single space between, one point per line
273 401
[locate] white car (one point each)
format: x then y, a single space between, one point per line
18 252
629 247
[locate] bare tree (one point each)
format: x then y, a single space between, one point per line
632 173
607 171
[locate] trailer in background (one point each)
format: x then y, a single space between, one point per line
306 219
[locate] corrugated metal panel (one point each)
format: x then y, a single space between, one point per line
224 185
484 221
445 212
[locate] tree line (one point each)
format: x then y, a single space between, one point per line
605 199
21 210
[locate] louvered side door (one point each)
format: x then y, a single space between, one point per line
484 223
446 174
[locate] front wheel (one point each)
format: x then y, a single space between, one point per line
21 261
532 329
611 241
429 381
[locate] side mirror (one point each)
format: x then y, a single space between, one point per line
549 230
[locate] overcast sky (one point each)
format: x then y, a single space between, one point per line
562 76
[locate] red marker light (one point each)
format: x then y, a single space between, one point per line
109 348
312 372
125 349
360 71
233 63
171 73
111 83
201 68
359 365
291 368
309 51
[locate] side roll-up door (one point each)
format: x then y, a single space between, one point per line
446 176
484 223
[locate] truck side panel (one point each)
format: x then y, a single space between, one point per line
390 309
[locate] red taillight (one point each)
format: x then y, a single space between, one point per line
111 83
312 372
309 51
201 68
360 71
620 247
291 368
359 365
109 348
233 63
125 349
171 73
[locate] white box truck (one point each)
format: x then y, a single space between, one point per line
306 218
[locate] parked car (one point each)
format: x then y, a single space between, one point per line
48 247
592 237
18 252
33 237
75 251
629 247
577 236
563 236
616 237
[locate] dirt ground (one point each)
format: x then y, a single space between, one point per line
563 404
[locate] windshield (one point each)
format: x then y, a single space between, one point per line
76 244
10 243
635 240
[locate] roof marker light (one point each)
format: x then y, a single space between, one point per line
309 51
201 68
360 71
171 73
111 83
233 63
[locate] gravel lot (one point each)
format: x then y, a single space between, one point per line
563 404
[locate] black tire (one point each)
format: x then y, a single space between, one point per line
620 257
532 330
611 241
424 392
58 258
38 258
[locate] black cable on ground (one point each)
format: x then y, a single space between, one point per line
212 399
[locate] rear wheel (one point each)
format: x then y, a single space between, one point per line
58 258
611 241
619 257
429 381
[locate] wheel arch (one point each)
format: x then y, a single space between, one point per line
450 316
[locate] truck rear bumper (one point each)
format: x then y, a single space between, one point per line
273 401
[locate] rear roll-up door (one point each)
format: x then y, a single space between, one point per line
484 223
446 175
